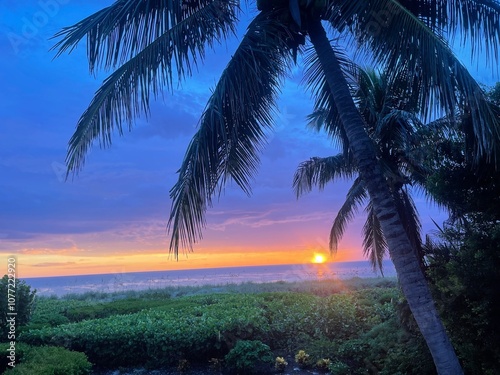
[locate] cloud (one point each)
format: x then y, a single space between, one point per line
53 250
53 264
268 218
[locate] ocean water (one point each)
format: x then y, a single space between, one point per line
119 282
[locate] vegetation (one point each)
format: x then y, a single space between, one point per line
355 327
248 355
24 300
464 259
49 360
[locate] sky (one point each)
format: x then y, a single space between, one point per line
112 217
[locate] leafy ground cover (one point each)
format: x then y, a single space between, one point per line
344 328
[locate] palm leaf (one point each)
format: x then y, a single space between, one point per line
119 32
232 127
321 171
404 43
475 21
325 114
374 243
355 197
126 93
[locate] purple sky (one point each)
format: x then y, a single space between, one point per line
117 208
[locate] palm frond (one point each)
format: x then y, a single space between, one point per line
321 171
119 32
398 127
404 43
374 243
356 195
127 92
475 21
325 115
232 127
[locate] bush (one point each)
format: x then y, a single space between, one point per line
360 329
24 297
119 307
247 355
50 360
160 336
339 368
20 352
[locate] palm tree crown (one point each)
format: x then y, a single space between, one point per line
394 127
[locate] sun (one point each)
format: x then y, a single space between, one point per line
318 258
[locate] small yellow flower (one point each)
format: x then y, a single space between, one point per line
302 358
280 363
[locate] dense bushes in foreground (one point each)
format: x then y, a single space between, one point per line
358 331
49 360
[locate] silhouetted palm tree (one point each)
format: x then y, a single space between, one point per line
393 125
147 42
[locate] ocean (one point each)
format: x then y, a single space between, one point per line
120 282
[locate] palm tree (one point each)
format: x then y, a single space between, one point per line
392 124
149 41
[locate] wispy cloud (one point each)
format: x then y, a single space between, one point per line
268 218
52 251
54 264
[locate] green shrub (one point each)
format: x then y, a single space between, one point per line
24 298
353 328
20 354
339 368
247 355
50 360
161 336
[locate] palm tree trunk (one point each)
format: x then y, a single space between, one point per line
411 278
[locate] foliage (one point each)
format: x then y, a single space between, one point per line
247 355
24 302
339 368
47 360
464 257
323 364
183 365
186 328
465 272
21 350
103 310
280 364
215 364
302 358
198 328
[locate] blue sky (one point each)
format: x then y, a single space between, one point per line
112 216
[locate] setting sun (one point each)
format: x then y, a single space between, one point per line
318 258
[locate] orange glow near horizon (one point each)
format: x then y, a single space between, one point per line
46 263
